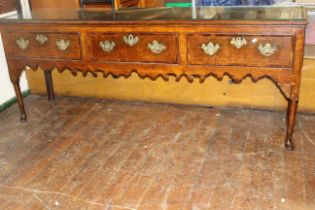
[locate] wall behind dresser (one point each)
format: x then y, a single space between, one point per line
6 89
262 94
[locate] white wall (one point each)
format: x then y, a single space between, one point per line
6 88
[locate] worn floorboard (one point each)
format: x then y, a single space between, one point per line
79 153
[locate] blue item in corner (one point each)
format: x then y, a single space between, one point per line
233 2
219 2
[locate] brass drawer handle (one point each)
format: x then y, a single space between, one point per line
41 38
131 40
156 47
267 49
210 48
62 44
22 43
107 46
238 42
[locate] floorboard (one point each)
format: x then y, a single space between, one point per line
79 153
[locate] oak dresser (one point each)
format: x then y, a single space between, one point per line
256 42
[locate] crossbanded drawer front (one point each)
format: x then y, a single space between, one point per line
238 50
45 45
134 47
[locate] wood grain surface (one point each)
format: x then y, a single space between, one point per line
182 41
82 153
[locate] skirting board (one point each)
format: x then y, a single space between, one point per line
12 101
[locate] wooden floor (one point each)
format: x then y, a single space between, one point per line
100 154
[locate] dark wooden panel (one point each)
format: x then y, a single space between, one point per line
248 55
55 4
7 6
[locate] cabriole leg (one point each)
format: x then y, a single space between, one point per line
49 86
19 99
291 118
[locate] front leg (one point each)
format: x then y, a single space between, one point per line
291 118
19 99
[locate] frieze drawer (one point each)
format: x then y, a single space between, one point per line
44 45
134 47
255 51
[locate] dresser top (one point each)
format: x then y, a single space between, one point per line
261 13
